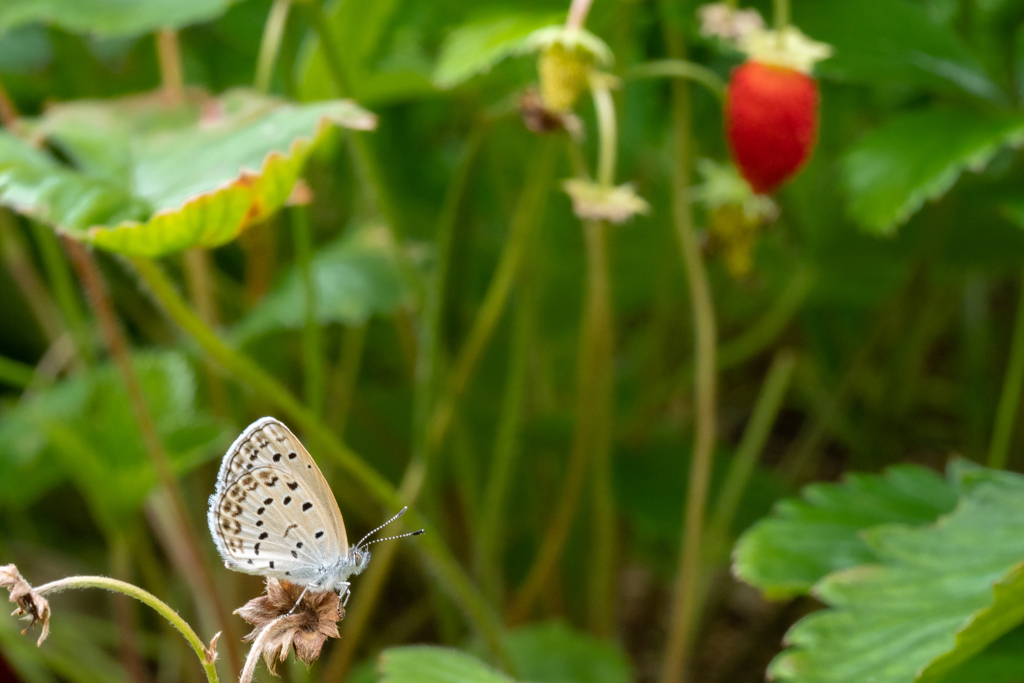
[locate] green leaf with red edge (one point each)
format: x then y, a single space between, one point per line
111 17
917 157
937 596
147 178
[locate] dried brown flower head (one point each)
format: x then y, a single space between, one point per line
539 119
307 628
30 603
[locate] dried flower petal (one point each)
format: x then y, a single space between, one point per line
607 203
29 602
314 620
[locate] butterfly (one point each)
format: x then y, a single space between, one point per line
273 514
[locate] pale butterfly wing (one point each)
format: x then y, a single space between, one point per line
273 513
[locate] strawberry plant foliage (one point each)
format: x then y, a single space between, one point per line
148 179
804 539
111 17
932 597
917 157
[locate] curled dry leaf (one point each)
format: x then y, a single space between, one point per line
307 628
30 603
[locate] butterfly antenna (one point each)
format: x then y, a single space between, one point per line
391 538
400 513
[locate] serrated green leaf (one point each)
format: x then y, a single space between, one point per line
149 179
938 596
111 17
359 29
424 664
475 48
354 278
898 45
84 428
913 158
554 653
805 539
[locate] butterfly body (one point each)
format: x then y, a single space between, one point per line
273 514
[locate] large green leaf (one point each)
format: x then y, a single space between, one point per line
805 539
354 278
554 653
84 428
374 74
916 157
149 179
896 43
474 48
938 595
424 664
111 17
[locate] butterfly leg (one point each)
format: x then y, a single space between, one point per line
301 595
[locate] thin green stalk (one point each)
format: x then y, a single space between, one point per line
682 627
15 373
312 352
679 68
506 447
769 400
780 14
59 274
590 435
603 542
270 44
424 393
374 195
168 52
346 375
578 11
26 277
604 106
99 300
1009 398
205 655
524 221
201 290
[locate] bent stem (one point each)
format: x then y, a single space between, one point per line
206 655
99 300
524 222
769 400
506 447
679 68
270 44
312 354
1009 398
687 583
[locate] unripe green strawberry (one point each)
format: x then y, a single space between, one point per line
563 75
771 122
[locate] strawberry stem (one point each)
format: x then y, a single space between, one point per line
604 106
780 12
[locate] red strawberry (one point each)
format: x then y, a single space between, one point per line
771 122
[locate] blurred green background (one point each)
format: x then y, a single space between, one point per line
888 289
